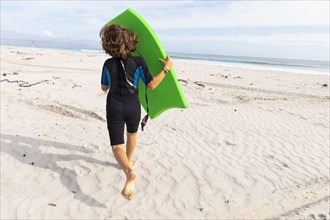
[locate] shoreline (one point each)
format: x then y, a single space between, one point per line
223 64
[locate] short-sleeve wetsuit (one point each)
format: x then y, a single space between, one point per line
123 105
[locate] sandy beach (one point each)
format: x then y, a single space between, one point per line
253 144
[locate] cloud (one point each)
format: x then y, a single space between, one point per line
255 14
45 33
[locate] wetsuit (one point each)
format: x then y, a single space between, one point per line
123 105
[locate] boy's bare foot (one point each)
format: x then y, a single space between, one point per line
128 190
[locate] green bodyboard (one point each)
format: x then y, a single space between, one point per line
168 94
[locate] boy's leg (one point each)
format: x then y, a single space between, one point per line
121 157
130 146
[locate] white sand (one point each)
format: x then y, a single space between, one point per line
252 145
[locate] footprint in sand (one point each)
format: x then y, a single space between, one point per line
82 169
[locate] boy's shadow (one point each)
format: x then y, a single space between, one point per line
27 150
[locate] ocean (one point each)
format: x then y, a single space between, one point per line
272 64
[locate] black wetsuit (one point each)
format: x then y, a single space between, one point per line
123 105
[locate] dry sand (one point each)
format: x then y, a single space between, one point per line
253 144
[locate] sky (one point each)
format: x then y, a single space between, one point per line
280 29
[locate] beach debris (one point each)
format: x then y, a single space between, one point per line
28 58
184 81
325 85
200 209
32 163
18 52
235 110
14 81
27 84
24 155
225 76
22 83
199 84
227 201
54 77
237 77
5 74
52 204
73 191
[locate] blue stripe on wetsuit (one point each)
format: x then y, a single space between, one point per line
137 75
106 79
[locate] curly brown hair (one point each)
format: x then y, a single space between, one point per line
118 41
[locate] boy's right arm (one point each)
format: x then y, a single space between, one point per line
160 76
